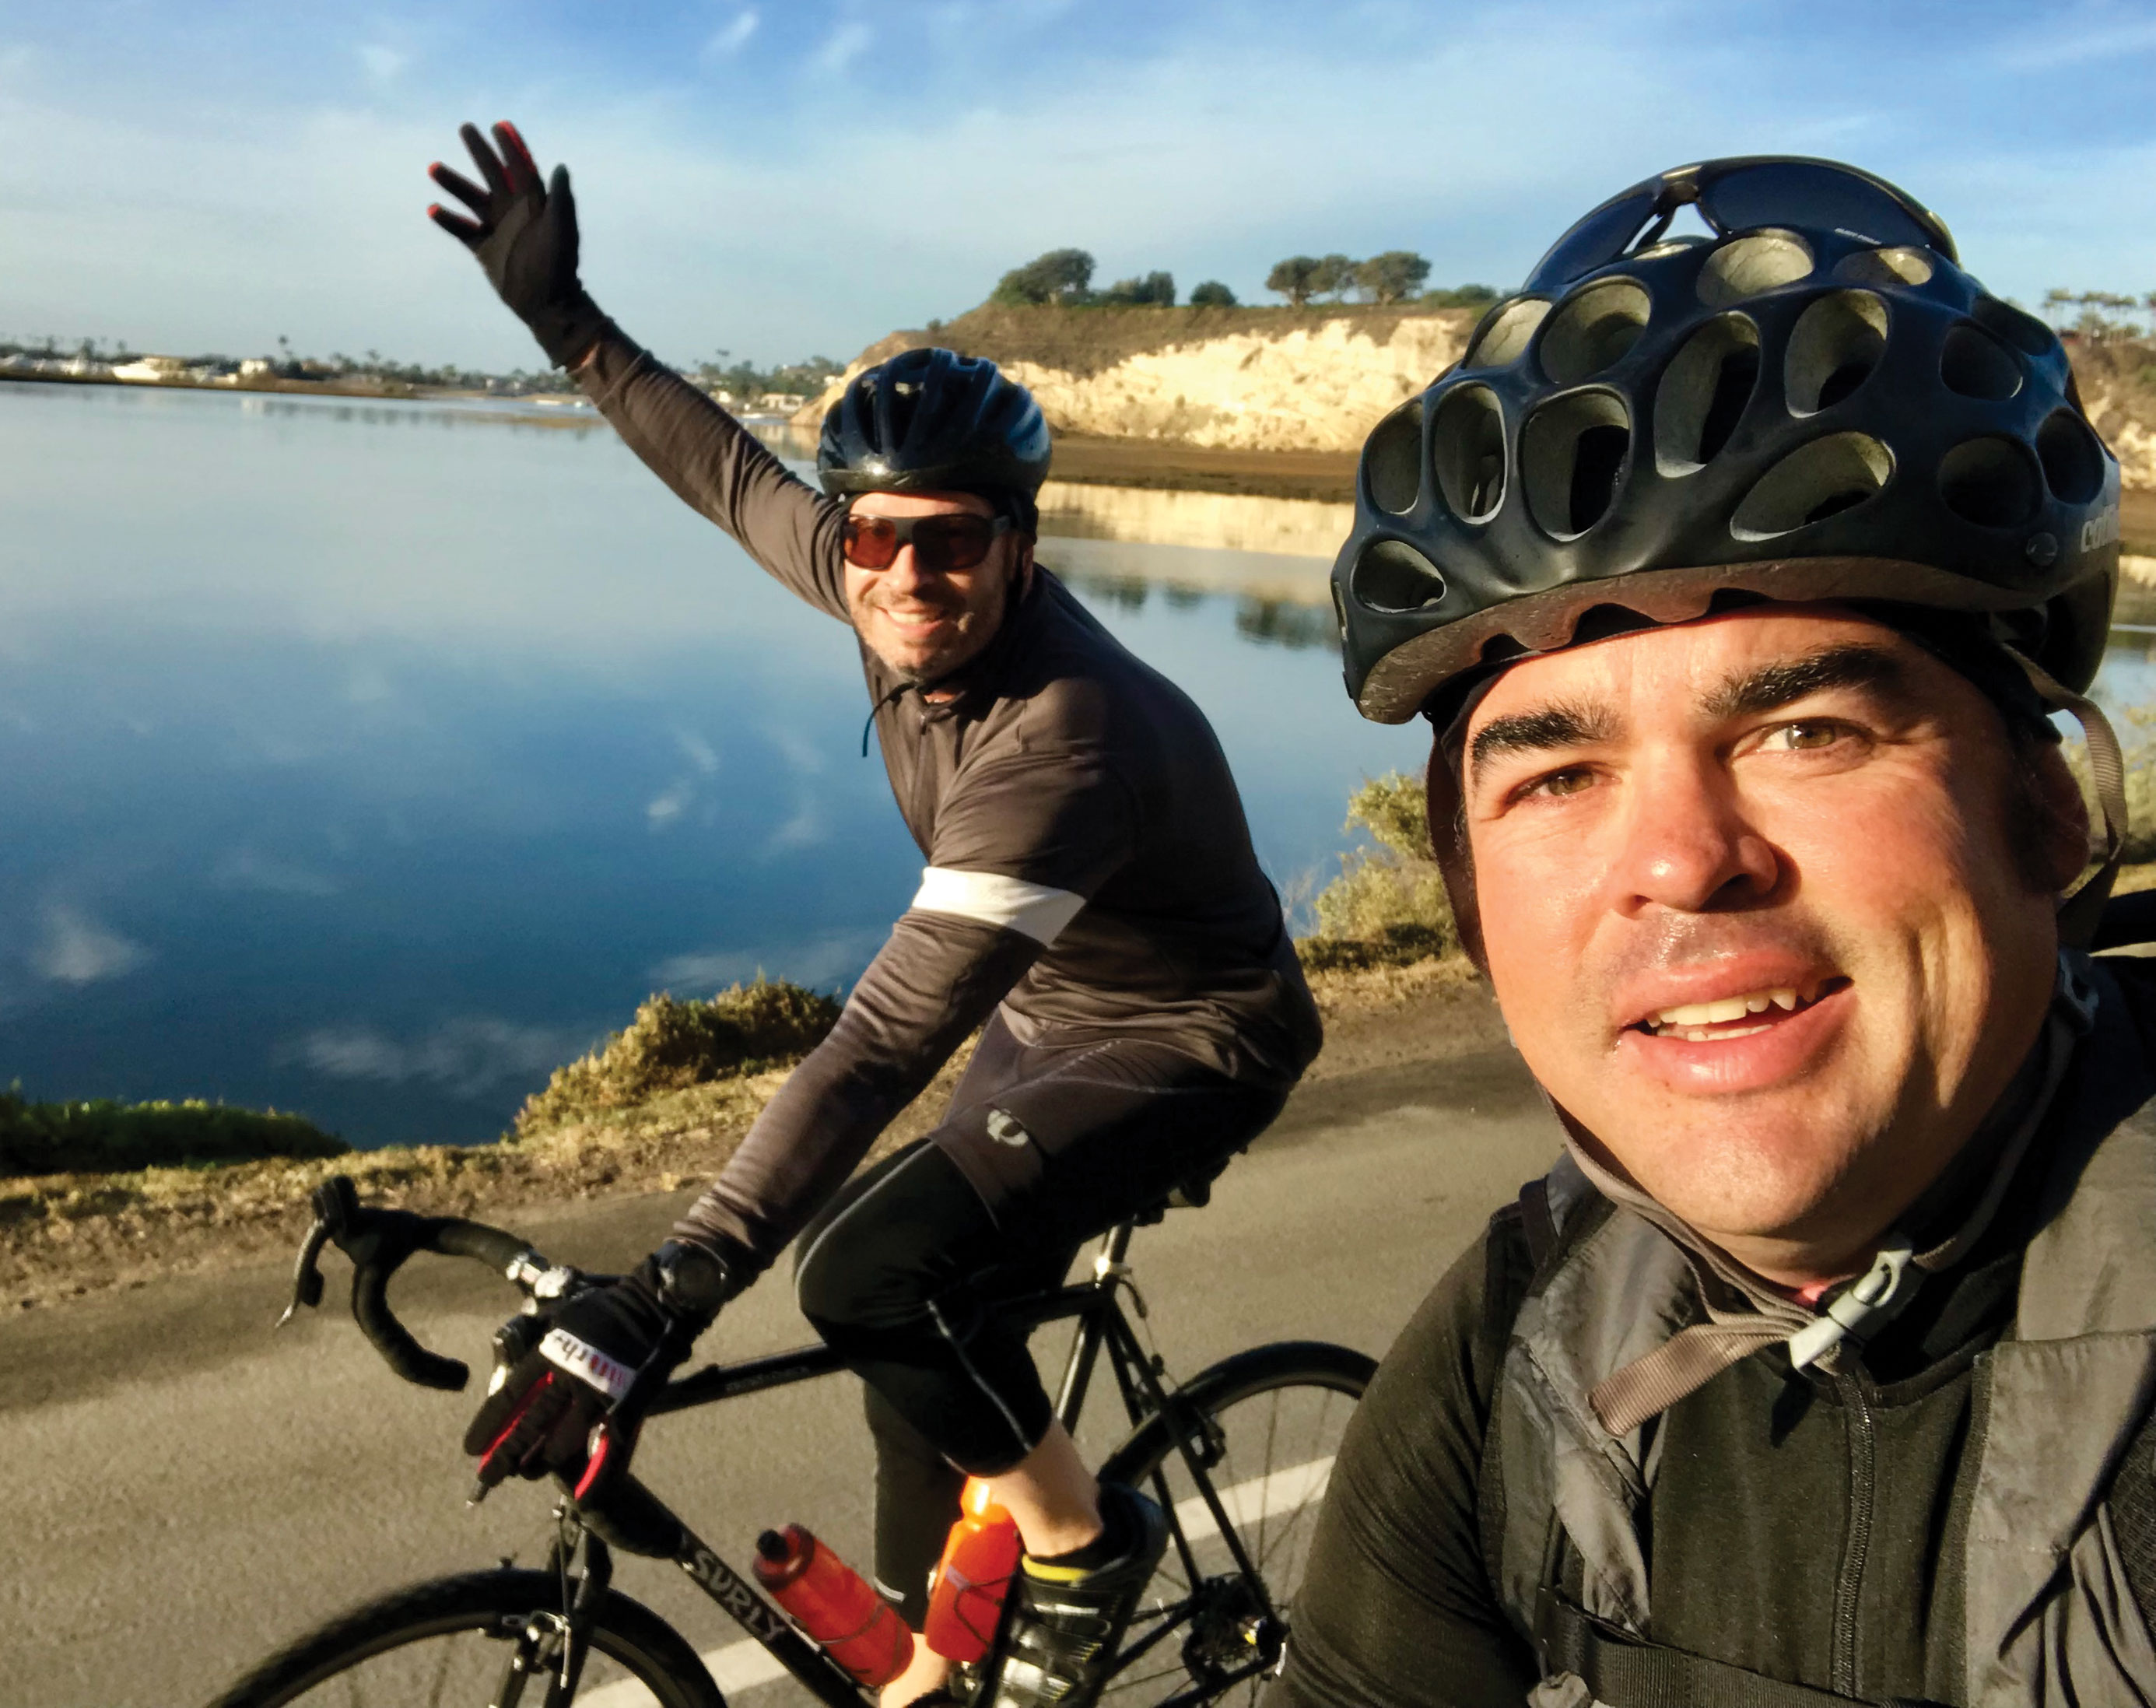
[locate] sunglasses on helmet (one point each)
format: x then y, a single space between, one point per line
939 543
1738 195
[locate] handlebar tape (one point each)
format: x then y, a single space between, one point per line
377 1241
370 1304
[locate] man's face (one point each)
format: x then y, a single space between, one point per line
925 623
1756 917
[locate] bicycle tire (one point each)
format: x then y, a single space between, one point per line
1205 1654
476 1615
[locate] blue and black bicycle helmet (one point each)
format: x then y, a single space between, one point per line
935 421
1815 402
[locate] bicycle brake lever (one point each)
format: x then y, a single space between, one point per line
306 1277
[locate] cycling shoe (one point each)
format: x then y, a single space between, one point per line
1064 1621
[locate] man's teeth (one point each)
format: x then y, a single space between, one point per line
1683 1020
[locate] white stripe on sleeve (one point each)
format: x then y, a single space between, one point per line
1032 909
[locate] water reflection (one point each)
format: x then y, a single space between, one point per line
372 771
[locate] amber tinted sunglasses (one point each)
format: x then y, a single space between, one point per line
939 543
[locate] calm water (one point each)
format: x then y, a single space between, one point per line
372 760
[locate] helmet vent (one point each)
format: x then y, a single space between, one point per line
1886 267
1833 349
1703 393
1990 482
1976 365
1813 482
1763 261
1505 333
1572 455
1393 576
2024 332
1593 331
1468 448
1392 460
2073 463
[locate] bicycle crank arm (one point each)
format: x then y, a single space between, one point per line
820 1675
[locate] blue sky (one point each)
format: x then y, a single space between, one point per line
779 178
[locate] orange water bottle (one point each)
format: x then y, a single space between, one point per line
833 1604
966 1591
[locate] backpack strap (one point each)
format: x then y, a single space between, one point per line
1624 1672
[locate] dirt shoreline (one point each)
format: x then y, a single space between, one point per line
70 1237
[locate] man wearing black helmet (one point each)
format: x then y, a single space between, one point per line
1737 576
1091 899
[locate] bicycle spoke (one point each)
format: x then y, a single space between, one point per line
1279 1438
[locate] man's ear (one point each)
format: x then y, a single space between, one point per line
1022 577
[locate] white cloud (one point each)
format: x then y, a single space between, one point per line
820 963
841 47
733 37
76 949
466 1056
244 868
665 808
697 752
382 63
2096 34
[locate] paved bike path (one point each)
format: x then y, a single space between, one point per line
189 1490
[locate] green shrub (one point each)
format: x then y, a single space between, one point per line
672 1045
1387 906
106 1138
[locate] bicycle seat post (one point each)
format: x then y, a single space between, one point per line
1115 1245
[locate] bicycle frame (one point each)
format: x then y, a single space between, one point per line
637 1520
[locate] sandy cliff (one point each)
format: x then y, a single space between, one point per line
1318 380
1275 381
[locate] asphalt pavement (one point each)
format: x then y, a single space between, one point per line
188 1488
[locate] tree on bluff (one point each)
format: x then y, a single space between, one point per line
1155 289
1211 295
1393 276
1061 276
1294 279
1334 277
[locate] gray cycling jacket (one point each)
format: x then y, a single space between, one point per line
2049 1617
1089 867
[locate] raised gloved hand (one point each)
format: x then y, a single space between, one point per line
608 1350
525 236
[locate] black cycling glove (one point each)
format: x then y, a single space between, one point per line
540 1417
524 235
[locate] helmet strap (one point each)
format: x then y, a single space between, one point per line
2079 912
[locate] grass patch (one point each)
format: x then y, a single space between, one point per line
109 1137
674 1044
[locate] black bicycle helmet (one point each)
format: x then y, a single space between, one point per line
934 421
1817 403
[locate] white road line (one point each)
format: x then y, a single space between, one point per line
1259 1499
744 1666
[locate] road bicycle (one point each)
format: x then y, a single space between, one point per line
1237 1457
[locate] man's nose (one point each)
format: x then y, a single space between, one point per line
1686 844
905 574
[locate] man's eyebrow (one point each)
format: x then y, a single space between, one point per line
1854 664
1537 733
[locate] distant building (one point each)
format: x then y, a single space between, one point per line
257 367
152 370
780 403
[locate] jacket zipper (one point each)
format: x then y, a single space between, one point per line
1863 1470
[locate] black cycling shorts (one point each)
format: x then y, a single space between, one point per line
1042 1149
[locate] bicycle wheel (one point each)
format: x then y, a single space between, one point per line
1274 1417
451 1644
